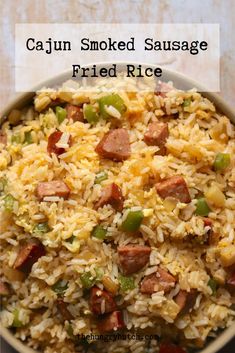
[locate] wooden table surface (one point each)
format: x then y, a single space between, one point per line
130 11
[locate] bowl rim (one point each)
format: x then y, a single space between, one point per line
21 99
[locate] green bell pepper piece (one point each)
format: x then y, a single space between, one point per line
212 283
202 208
87 280
187 102
99 232
16 322
99 274
101 177
60 286
132 221
61 114
222 161
3 184
115 101
126 283
90 114
16 138
28 138
41 228
9 202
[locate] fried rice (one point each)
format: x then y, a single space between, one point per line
193 245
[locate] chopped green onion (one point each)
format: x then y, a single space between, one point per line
71 239
16 322
28 138
101 177
9 202
132 221
99 232
16 138
222 161
90 114
187 102
3 184
87 280
115 101
60 114
60 286
212 283
41 228
202 208
126 283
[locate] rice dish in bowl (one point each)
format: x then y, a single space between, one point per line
117 218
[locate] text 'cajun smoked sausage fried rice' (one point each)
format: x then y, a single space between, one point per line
117 216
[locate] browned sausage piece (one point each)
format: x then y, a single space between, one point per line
62 307
174 187
112 195
111 322
133 258
114 145
181 299
186 300
157 281
3 138
28 255
213 238
101 302
4 289
191 300
52 141
52 188
74 112
156 135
